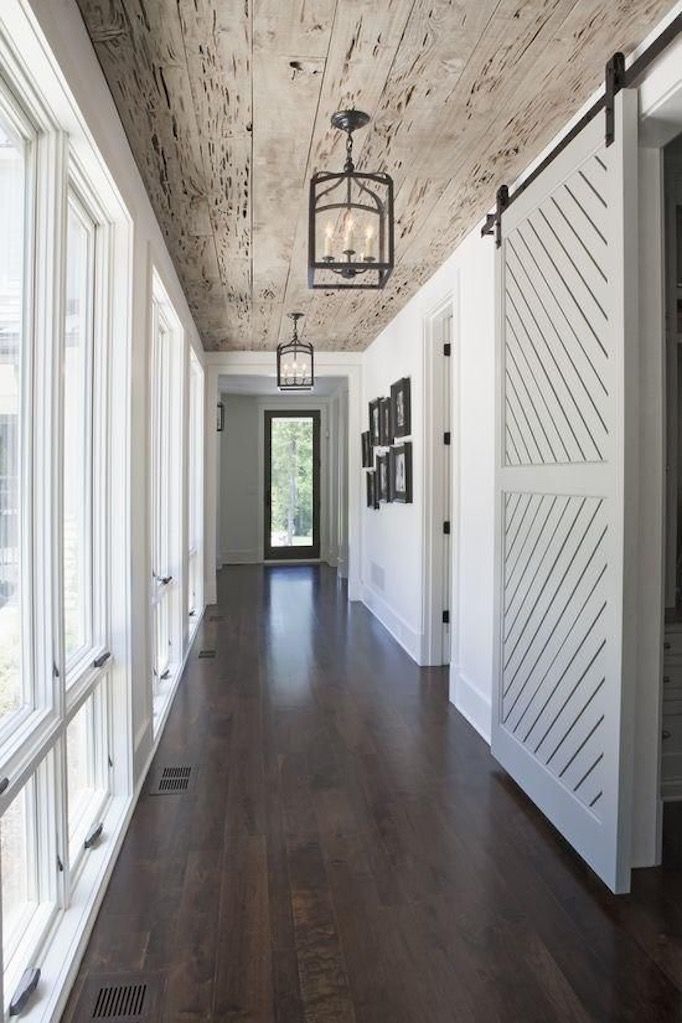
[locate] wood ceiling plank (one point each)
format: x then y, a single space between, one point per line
140 47
227 104
545 92
364 43
502 45
217 40
289 55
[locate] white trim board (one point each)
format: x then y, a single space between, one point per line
472 704
410 640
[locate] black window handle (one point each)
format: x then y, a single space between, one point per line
27 985
165 579
101 660
93 835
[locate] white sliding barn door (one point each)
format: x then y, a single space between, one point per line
567 341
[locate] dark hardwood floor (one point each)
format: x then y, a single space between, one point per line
349 849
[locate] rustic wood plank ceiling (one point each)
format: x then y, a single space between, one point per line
226 104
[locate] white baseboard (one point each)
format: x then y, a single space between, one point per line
409 640
472 704
246 556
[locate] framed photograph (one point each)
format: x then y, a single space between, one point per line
386 422
366 450
375 422
400 408
372 500
383 485
400 475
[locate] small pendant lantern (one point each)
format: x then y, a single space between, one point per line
350 221
295 362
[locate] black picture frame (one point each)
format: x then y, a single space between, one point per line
370 489
366 450
401 410
400 472
383 480
375 422
386 422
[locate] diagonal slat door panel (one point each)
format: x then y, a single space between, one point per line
566 328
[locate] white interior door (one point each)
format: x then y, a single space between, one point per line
567 436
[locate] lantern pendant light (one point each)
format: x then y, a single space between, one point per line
350 221
295 362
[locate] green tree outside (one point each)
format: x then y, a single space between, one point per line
291 480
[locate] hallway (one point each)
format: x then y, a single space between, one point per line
349 850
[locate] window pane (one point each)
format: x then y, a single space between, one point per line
12 563
18 894
291 482
86 767
77 431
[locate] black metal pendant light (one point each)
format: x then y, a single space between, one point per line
350 221
295 362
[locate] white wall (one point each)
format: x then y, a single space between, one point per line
392 552
67 38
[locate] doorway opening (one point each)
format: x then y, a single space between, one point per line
671 731
292 485
439 531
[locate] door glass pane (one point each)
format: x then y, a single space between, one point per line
12 499
291 481
77 430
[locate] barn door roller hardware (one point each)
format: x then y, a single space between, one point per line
493 221
615 81
617 77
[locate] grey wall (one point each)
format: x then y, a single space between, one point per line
240 467
240 511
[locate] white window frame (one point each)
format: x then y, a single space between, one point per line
33 88
166 510
195 492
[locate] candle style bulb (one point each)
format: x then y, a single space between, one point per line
350 236
369 242
328 234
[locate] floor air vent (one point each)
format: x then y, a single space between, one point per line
120 1001
168 781
207 653
121 998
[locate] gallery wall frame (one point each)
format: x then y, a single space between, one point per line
400 473
366 450
375 422
386 422
383 484
401 411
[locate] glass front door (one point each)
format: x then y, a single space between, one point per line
292 485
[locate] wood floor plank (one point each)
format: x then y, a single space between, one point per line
349 851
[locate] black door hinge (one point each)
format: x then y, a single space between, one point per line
60 865
446 617
446 437
615 81
446 528
447 348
